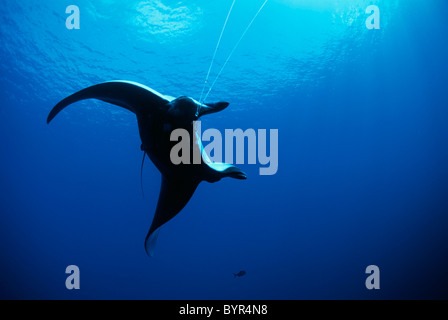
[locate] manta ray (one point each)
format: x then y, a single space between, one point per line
157 116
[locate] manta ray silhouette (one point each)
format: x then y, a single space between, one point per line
157 116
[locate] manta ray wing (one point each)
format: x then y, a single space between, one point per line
132 96
174 195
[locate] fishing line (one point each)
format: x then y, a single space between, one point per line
234 48
216 50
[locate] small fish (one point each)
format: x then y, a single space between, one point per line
239 274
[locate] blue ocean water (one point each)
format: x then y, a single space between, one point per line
362 177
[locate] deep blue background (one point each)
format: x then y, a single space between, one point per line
362 118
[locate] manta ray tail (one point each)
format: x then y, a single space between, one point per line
174 195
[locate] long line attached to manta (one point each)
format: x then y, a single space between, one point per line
231 52
216 50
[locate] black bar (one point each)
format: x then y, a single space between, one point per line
225 309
